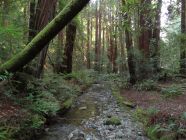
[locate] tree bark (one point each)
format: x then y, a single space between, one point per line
88 41
69 47
156 38
97 52
32 31
130 51
183 40
45 12
144 39
42 39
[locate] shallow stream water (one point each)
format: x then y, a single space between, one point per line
86 119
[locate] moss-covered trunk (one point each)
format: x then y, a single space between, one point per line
49 32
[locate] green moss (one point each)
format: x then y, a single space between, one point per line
118 97
141 115
68 103
113 121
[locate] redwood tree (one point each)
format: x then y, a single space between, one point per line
183 41
69 47
129 46
145 24
45 12
156 37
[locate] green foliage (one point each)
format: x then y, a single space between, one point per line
36 121
152 132
147 85
170 132
114 81
5 76
5 133
46 103
141 116
184 115
171 91
152 111
85 77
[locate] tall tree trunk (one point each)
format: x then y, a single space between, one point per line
130 53
32 31
144 39
156 38
103 50
69 46
45 12
183 41
130 50
115 51
43 38
97 55
88 41
59 53
100 34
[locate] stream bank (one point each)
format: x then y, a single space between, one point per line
88 119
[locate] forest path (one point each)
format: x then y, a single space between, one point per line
86 120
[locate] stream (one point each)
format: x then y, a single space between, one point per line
86 120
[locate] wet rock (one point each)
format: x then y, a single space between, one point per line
140 133
119 134
76 135
83 108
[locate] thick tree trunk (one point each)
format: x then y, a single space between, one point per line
156 38
69 46
130 51
45 12
183 41
144 40
42 39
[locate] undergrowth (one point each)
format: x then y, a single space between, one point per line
42 99
160 125
147 85
172 91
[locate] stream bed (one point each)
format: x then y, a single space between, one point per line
86 120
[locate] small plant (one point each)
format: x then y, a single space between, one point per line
147 85
153 132
5 76
5 133
152 111
36 121
141 115
171 91
113 121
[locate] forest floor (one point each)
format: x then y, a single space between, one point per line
163 115
104 111
96 116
